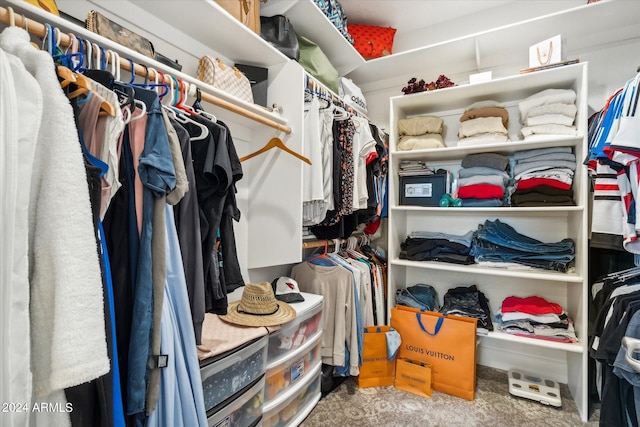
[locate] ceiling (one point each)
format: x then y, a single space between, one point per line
419 22
410 15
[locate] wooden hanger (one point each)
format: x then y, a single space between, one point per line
275 142
83 84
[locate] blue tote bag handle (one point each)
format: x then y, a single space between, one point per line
436 329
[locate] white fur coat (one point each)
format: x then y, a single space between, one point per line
68 344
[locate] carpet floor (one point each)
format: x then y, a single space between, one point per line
351 406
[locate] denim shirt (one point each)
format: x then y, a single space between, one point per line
157 174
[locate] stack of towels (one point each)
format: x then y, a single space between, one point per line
535 317
483 180
483 122
548 114
420 132
544 177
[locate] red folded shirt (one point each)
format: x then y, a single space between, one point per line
480 191
530 305
525 184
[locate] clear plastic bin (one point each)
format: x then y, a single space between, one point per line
245 411
293 369
296 333
224 377
292 409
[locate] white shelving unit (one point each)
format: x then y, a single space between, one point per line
567 363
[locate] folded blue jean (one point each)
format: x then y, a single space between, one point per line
486 248
503 234
420 296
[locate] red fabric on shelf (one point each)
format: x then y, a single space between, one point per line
480 191
530 305
525 184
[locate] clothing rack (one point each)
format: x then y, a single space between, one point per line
7 16
316 88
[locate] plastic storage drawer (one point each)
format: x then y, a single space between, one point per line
297 332
292 410
245 411
223 378
295 368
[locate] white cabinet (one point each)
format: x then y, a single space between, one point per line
566 363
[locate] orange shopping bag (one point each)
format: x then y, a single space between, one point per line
447 343
414 377
376 369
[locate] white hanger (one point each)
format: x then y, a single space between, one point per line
340 113
183 118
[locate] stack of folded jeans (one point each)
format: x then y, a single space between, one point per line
469 302
534 317
498 244
544 177
435 246
421 296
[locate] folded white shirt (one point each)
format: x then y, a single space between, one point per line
547 96
481 125
549 129
558 119
568 110
483 138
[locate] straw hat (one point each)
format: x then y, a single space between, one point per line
258 307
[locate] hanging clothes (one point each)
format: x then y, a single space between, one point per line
181 400
20 116
65 282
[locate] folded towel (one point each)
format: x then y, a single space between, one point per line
539 151
420 125
483 138
479 170
540 166
560 174
481 125
419 142
487 112
484 104
543 119
568 110
547 96
549 129
490 160
481 191
549 156
526 184
483 179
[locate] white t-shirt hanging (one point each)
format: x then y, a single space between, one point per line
314 205
363 145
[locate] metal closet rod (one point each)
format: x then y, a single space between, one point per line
38 29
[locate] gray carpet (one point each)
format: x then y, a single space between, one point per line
350 406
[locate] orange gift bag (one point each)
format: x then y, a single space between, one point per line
447 343
376 369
